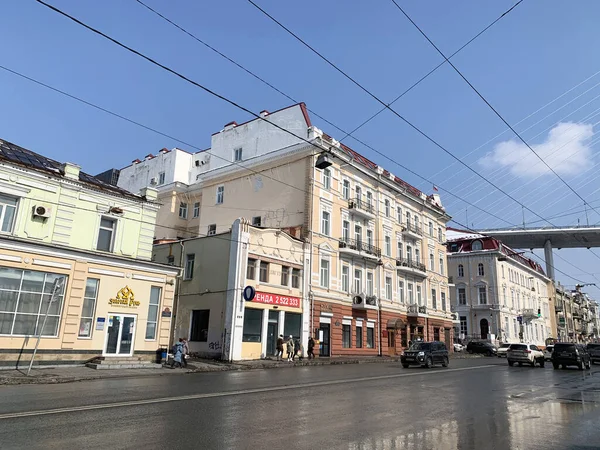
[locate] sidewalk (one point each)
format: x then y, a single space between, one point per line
55 375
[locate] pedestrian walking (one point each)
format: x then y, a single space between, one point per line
280 347
311 348
298 349
177 354
290 348
186 352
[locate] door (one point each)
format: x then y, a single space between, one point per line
391 342
120 335
324 349
447 338
271 338
485 328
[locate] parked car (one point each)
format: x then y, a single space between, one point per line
458 347
425 354
594 351
548 352
483 347
502 350
525 354
569 354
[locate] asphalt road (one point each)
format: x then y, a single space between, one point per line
475 404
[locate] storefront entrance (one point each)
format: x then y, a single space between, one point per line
324 349
120 335
272 338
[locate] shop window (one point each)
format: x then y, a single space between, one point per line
89 307
296 278
264 272
292 325
8 207
106 234
359 336
189 266
251 269
370 337
252 325
153 307
24 300
285 276
199 329
346 331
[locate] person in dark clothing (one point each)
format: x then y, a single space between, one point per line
311 348
298 350
280 347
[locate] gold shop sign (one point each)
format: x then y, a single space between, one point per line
125 297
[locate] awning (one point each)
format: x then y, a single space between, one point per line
396 324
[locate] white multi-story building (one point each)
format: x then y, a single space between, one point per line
498 294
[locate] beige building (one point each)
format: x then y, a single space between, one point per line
58 223
377 276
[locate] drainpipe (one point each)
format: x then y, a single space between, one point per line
177 289
380 331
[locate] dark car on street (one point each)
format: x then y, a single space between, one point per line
482 347
569 354
594 351
425 354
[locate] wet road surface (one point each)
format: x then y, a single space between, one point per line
475 404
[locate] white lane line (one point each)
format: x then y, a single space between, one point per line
45 412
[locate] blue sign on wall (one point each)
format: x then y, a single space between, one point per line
249 293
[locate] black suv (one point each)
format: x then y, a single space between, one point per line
425 354
569 354
594 351
482 347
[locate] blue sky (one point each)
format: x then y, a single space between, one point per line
539 53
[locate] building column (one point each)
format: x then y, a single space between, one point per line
549 259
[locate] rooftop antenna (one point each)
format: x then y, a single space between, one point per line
523 210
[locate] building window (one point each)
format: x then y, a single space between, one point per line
346 331
399 214
462 296
431 262
345 278
463 326
345 230
476 245
161 178
417 223
183 207
251 269
285 276
292 325
358 193
408 219
153 307
237 154
482 293
388 288
106 235
346 189
401 291
212 229
369 199
89 307
417 255
387 208
436 334
220 194
189 266
506 328
196 210
443 294
327 179
461 270
296 278
440 235
400 251
433 299
264 272
441 265
252 325
480 270
8 208
369 283
388 246
199 329
431 228
409 253
256 221
370 237
24 299
419 297
325 223
357 281
410 294
358 233
325 273
370 337
359 336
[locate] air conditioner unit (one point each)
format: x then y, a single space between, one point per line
358 299
153 181
41 211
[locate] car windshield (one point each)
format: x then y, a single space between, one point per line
564 347
593 346
505 346
518 347
420 346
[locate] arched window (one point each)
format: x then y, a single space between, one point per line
480 270
461 270
476 245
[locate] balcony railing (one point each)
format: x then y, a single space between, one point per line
529 314
360 205
417 309
360 246
558 307
413 229
403 262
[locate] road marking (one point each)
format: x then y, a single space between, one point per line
45 412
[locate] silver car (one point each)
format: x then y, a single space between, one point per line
502 350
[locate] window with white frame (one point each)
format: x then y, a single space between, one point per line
388 245
443 295
357 233
476 245
346 189
345 278
502 271
482 295
431 261
296 278
183 210
369 199
251 269
237 154
417 223
220 195
401 290
327 179
506 328
369 237
419 296
345 230
153 307
463 325
461 271
212 229
106 234
430 228
411 299
387 208
417 255
369 283
263 272
388 288
90 297
409 253
325 217
504 296
357 281
188 272
8 209
441 265
161 178
324 273
196 213
285 276
433 299
462 296
399 214
358 191
480 270
400 250
440 237
408 219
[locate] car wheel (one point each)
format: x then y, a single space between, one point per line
428 363
520 364
488 353
533 363
556 366
405 366
445 362
511 363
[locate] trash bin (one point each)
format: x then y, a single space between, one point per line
161 355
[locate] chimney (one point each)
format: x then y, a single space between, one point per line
149 193
72 171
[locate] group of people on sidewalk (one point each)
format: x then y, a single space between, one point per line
181 351
294 348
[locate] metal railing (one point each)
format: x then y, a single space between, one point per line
359 245
403 262
358 203
417 309
408 227
558 308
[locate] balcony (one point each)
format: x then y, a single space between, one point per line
361 208
411 267
359 248
529 315
558 308
412 231
362 301
415 310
